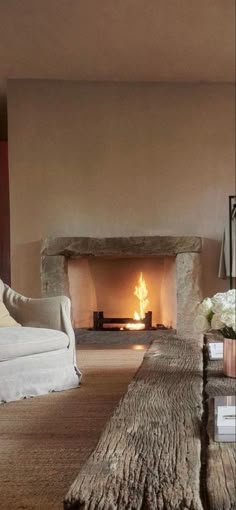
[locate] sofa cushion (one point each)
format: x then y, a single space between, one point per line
5 318
26 341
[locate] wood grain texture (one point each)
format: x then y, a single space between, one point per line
148 456
221 457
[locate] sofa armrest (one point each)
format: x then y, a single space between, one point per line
52 312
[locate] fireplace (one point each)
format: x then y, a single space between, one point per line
100 276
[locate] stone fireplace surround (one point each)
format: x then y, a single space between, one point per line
57 250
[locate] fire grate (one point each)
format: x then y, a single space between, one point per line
99 320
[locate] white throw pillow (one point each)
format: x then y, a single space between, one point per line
5 318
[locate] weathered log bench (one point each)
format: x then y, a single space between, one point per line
149 455
158 452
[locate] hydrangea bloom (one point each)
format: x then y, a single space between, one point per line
218 312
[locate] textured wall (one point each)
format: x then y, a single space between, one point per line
117 159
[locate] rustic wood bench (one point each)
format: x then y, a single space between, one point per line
154 453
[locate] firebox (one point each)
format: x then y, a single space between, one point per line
140 320
123 293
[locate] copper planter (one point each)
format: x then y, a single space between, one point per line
229 358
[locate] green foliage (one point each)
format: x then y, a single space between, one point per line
209 316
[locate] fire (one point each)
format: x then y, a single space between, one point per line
141 293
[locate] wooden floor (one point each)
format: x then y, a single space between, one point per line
45 441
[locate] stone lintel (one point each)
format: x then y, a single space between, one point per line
143 246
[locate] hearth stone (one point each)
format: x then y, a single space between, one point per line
144 337
56 251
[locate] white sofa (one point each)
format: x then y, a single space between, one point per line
39 356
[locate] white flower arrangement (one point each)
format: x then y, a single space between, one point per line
219 313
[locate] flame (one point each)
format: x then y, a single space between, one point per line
135 325
141 293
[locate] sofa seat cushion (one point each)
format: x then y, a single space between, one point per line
26 341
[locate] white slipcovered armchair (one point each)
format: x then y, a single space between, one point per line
39 356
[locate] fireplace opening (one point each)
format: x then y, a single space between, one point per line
129 293
141 319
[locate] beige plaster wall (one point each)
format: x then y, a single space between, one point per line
117 159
